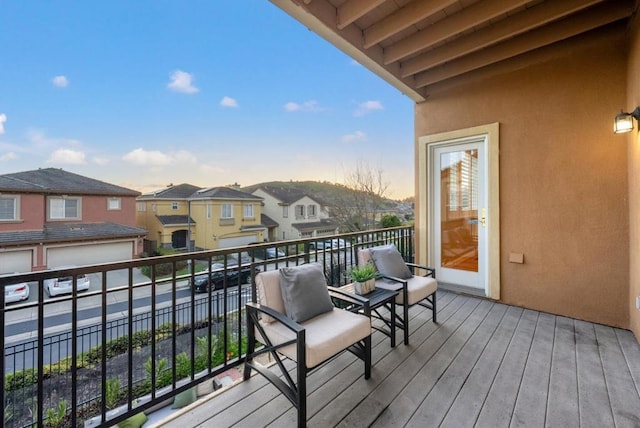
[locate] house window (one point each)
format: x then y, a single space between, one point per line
208 210
64 208
174 206
114 204
247 210
141 206
299 211
311 211
285 211
227 211
9 208
154 207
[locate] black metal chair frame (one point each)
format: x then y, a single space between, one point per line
296 392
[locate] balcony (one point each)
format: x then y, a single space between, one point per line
132 343
484 364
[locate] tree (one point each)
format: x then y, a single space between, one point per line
358 207
390 220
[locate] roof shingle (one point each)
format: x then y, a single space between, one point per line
56 181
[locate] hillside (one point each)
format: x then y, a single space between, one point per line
325 191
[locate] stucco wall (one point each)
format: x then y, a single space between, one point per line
563 176
633 144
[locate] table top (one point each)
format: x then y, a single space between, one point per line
378 295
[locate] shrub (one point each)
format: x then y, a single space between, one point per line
55 417
164 269
112 391
183 365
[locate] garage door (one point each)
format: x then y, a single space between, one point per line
79 255
15 261
239 241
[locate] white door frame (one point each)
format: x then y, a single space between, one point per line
425 191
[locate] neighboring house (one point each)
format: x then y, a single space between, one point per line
298 215
51 218
192 218
517 102
165 215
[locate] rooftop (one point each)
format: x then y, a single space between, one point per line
56 181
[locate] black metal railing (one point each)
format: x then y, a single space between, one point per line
131 342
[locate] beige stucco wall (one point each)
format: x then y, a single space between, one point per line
633 144
563 177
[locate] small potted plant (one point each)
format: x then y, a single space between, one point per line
364 278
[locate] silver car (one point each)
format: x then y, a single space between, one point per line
64 284
16 292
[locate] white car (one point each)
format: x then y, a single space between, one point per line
16 292
64 284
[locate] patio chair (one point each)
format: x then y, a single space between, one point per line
296 318
396 274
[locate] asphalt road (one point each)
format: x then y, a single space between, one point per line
22 353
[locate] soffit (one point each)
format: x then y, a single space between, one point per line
420 45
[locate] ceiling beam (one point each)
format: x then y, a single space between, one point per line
475 14
519 23
404 17
610 35
534 39
351 10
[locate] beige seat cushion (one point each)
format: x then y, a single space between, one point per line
418 288
326 335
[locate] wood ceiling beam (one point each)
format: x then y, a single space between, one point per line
351 10
410 14
467 18
554 32
517 24
610 35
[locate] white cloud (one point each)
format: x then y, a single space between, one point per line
228 102
100 161
181 81
367 107
142 157
356 136
8 157
67 156
3 119
60 81
308 106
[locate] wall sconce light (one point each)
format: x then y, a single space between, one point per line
624 121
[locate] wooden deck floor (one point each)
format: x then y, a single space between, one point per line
484 364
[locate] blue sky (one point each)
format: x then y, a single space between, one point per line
147 93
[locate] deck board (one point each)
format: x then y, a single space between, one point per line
484 364
562 406
532 396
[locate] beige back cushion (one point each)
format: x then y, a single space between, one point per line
269 292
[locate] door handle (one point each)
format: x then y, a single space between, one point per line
483 218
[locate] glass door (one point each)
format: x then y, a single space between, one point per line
459 213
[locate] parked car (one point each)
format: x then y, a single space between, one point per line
329 244
64 284
217 274
265 253
16 292
273 253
